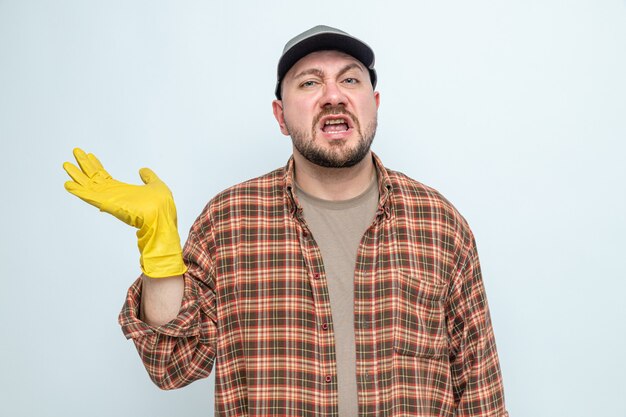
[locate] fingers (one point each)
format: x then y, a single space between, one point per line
97 165
76 174
90 168
74 188
148 176
83 162
82 193
90 165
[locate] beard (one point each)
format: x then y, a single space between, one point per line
340 155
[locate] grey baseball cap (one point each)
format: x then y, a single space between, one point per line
322 38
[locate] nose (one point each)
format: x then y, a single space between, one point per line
333 95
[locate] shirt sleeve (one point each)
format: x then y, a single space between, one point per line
183 350
475 369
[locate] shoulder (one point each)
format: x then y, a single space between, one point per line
424 203
251 196
413 192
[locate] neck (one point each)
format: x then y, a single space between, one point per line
334 184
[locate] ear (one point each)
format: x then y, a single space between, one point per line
377 98
279 114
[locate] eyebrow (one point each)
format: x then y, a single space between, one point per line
349 67
314 71
320 73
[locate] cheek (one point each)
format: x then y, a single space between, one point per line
297 116
369 111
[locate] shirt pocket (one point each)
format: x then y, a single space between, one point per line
419 317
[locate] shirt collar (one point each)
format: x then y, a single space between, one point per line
384 188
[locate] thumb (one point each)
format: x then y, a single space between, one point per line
148 176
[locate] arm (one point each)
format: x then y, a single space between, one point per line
161 299
151 209
475 369
176 341
181 350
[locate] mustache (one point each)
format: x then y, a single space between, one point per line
335 110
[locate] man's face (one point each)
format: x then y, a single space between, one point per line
329 109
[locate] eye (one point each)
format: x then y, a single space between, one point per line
351 80
308 84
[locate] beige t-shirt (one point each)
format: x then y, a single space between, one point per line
337 227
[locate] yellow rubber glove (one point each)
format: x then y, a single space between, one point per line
150 208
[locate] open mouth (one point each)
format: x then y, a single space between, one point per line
335 124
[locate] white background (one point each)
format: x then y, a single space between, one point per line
514 110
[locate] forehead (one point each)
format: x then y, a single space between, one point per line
323 60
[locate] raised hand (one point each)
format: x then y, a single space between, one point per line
149 207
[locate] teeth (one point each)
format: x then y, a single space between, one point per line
334 122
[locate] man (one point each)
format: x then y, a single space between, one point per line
330 287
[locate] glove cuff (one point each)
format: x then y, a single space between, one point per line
161 253
163 266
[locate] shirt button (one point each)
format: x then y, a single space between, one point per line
316 275
328 378
325 326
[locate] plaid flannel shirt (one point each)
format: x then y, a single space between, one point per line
256 303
